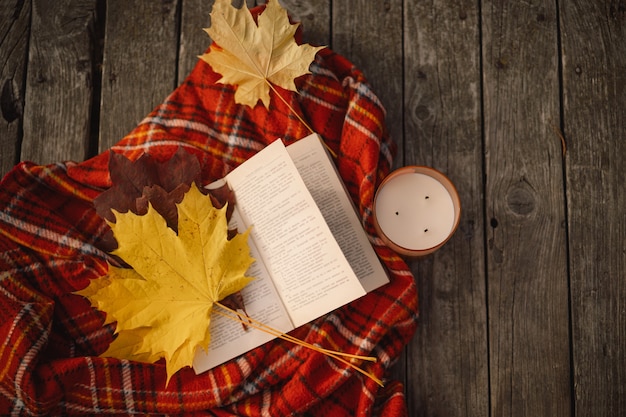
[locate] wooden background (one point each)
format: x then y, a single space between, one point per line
521 102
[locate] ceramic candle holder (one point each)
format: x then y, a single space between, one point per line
416 210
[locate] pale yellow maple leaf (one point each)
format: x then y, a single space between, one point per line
252 56
163 305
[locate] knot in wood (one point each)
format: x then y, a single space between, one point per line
422 112
521 200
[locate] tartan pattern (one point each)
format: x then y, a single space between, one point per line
49 247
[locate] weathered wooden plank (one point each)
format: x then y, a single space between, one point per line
447 362
139 64
314 18
193 39
14 32
526 252
59 89
356 33
594 123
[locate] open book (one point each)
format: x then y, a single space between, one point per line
312 254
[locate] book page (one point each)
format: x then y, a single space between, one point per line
307 266
322 179
229 338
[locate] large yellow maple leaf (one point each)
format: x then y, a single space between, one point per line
163 305
252 56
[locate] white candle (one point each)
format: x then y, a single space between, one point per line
416 210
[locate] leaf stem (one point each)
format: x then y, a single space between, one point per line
289 106
284 336
295 113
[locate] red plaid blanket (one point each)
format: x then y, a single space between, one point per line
50 241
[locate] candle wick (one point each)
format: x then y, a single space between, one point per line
427 197
397 213
425 230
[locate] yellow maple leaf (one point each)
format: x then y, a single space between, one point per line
252 56
163 305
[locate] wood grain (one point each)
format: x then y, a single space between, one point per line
139 65
594 123
447 363
524 199
58 99
194 41
14 33
314 19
